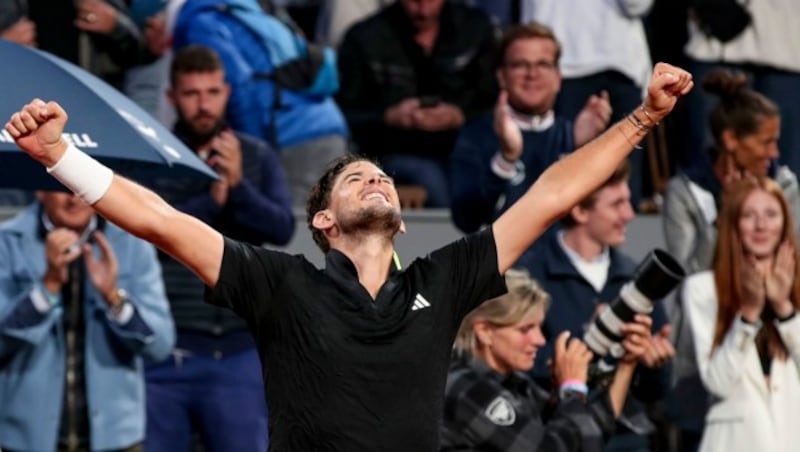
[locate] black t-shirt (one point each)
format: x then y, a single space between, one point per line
346 373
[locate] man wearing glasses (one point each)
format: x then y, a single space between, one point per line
498 156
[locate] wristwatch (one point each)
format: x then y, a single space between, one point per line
569 394
121 296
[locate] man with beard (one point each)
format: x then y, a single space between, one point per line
355 355
211 384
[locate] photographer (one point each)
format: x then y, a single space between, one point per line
491 404
580 267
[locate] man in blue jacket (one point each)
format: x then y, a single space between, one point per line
581 269
82 305
212 382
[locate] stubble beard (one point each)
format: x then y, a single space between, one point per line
196 134
372 220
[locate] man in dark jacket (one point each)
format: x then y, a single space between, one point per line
212 382
411 75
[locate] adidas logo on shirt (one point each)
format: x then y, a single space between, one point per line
420 303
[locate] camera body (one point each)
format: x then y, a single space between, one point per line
655 277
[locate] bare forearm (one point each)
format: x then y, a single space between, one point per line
573 178
146 215
136 210
563 185
580 173
618 390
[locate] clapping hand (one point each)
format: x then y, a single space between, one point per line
593 119
59 253
779 280
102 270
754 289
507 131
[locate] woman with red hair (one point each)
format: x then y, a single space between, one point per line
743 319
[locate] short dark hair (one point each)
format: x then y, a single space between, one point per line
620 174
320 195
530 30
193 59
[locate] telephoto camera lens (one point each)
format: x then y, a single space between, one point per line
656 276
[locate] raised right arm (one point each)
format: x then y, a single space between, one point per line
37 130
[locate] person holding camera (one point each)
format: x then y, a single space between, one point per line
492 404
215 354
581 268
744 322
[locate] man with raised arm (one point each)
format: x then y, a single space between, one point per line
357 352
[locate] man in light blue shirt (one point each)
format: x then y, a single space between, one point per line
82 305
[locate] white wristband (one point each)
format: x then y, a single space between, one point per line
82 174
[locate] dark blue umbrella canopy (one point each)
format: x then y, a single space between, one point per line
102 122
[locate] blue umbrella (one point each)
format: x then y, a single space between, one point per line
102 122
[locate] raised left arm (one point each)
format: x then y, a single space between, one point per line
574 177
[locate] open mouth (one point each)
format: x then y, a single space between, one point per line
375 195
